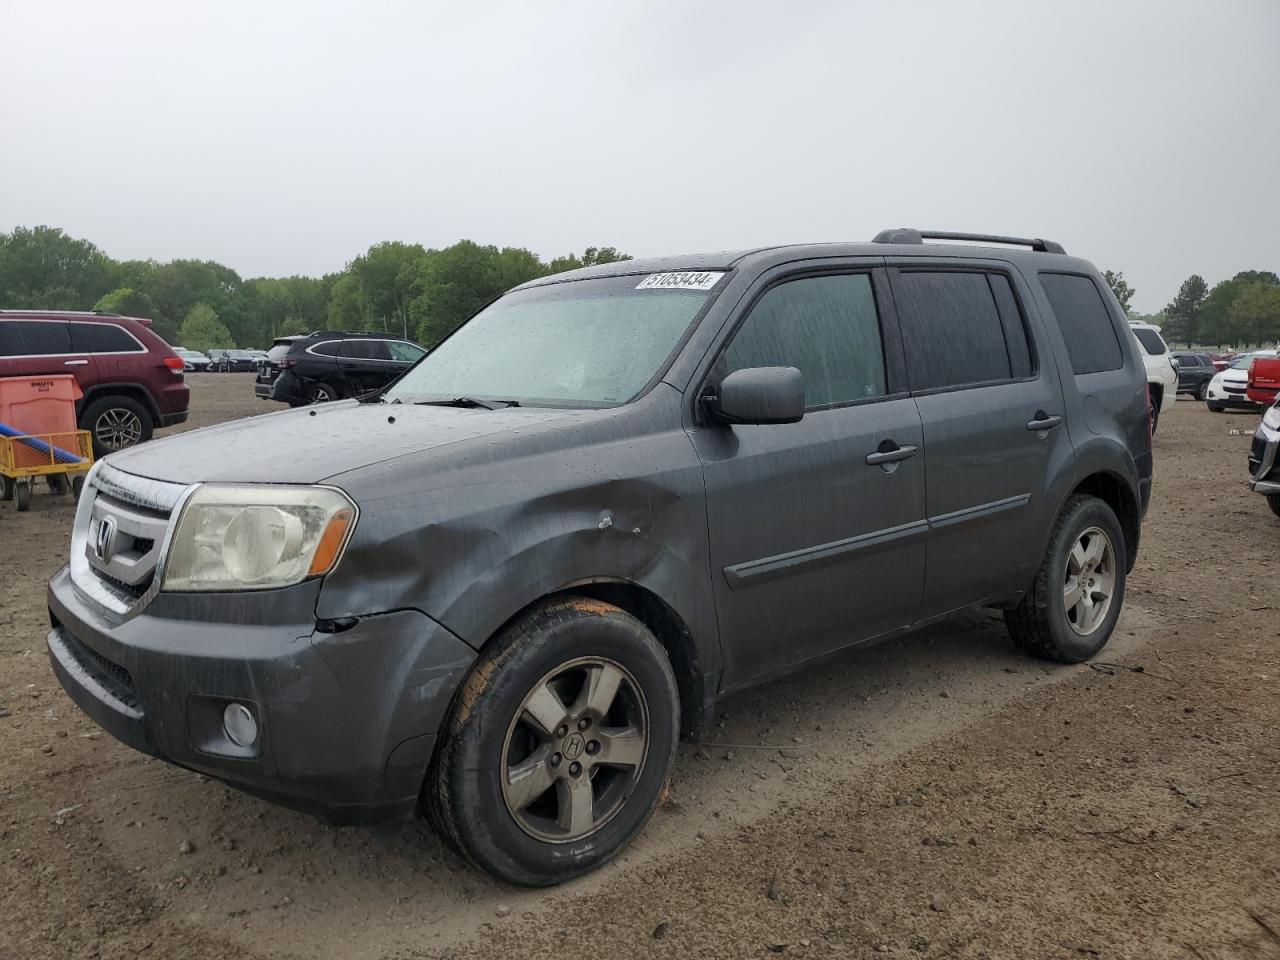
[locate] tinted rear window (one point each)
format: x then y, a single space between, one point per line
279 351
1085 322
951 330
102 338
1150 340
25 338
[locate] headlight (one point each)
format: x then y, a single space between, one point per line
1272 417
257 537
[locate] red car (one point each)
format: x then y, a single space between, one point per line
1264 380
131 379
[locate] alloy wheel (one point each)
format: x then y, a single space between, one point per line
117 428
1090 581
575 749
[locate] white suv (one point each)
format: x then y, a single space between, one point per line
1162 373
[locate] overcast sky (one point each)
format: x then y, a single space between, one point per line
283 137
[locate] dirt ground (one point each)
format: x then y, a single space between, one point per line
939 796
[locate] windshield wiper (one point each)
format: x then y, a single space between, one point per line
469 402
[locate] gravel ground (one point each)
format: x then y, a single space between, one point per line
937 796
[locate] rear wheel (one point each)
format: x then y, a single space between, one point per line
22 494
1273 501
321 393
6 488
1075 600
116 423
1202 391
560 744
1155 409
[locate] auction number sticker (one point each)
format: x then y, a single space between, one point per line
687 280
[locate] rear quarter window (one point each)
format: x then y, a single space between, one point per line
1150 340
103 338
1087 328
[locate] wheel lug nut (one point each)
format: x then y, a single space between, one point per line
561 730
584 723
593 746
575 768
555 759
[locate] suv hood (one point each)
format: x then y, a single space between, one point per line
311 444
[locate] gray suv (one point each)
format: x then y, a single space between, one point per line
498 592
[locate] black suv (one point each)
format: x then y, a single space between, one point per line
498 591
325 366
1195 370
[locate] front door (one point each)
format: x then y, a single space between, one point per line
817 528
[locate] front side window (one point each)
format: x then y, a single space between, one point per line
825 327
34 338
582 343
951 330
405 352
1085 322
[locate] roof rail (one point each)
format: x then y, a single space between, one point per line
909 235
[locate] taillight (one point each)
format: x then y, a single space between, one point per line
174 363
286 362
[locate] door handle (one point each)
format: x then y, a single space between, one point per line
1042 421
891 456
75 363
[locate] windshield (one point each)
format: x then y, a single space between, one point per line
1243 362
585 343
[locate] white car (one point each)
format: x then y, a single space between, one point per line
1226 389
1162 370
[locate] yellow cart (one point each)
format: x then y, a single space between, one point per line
62 459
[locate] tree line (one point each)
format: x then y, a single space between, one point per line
401 288
1243 311
423 293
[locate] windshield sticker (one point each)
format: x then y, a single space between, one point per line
680 281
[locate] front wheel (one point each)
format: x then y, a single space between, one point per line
1273 501
1074 602
560 744
1202 391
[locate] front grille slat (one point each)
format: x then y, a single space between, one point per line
115 678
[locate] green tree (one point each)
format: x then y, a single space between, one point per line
590 257
1218 323
203 331
126 301
1255 311
43 268
1184 311
177 286
453 283
377 287
1120 287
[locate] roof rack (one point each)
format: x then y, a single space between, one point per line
910 235
60 313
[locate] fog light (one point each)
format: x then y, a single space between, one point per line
238 721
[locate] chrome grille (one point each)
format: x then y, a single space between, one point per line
120 535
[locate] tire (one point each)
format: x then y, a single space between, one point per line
22 494
77 487
1202 391
1155 411
1214 407
57 483
1273 501
6 488
320 392
1042 624
533 837
116 423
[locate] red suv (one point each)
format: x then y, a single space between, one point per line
131 379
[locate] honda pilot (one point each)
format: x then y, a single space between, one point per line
498 591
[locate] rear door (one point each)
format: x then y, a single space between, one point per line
366 365
813 547
113 354
992 416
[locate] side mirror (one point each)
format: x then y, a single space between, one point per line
759 395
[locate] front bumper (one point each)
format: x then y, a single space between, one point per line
347 720
1229 398
1264 475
